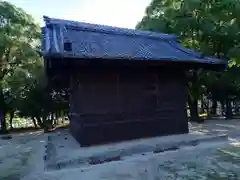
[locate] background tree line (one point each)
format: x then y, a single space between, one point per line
24 90
210 26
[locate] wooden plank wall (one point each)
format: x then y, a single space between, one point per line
117 105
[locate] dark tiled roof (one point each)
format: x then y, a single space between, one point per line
97 41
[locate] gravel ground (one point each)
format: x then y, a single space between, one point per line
23 155
231 127
58 148
201 162
17 155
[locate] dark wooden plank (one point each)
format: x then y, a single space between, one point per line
115 106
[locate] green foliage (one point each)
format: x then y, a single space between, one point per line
23 85
210 26
19 37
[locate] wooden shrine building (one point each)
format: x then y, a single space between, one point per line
125 84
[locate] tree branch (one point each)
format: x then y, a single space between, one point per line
4 70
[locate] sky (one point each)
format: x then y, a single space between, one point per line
120 13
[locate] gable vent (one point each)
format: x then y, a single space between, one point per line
67 46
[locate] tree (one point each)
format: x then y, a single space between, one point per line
210 26
19 36
33 96
24 87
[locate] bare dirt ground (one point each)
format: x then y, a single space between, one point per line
24 154
19 154
231 127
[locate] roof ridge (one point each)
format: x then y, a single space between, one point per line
107 29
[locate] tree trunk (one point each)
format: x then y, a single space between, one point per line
34 122
207 106
40 122
229 113
48 124
11 119
202 106
222 108
2 113
56 120
3 123
53 119
46 121
214 107
193 106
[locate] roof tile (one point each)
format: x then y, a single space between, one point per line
98 41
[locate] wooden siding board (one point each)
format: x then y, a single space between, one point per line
120 106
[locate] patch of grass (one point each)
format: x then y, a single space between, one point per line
203 115
233 151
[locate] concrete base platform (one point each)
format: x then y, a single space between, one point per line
63 151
